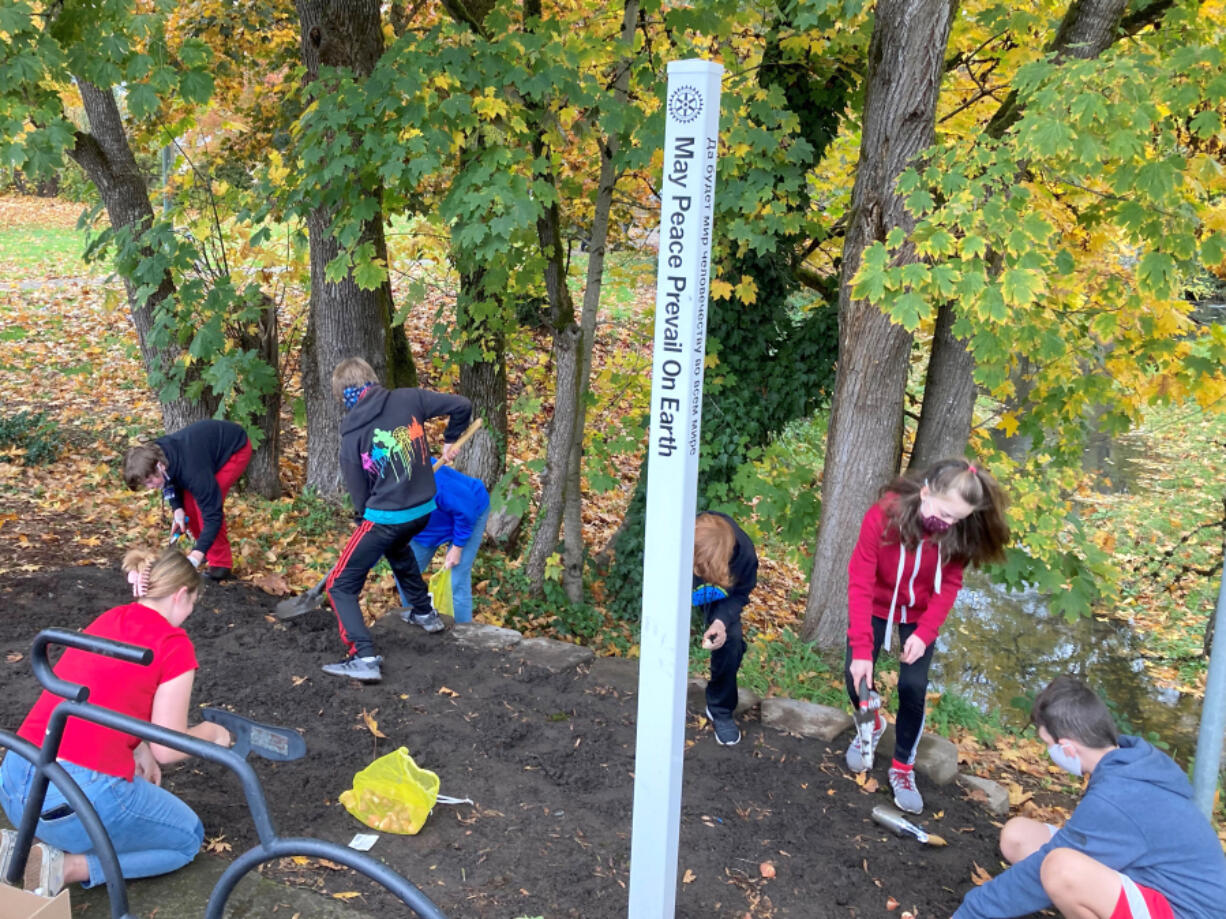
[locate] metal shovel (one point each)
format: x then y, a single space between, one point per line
281 745
304 603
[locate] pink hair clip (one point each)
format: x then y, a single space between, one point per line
139 579
970 467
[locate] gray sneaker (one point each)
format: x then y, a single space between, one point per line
727 734
862 747
906 795
430 621
362 669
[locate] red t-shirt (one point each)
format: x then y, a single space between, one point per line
119 686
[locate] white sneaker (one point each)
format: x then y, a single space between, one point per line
864 745
44 873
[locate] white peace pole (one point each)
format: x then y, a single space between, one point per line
687 195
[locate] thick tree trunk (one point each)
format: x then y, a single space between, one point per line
949 396
485 383
557 453
343 320
106 157
1089 27
906 60
263 472
572 515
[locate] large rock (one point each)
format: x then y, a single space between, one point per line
696 697
485 637
553 655
993 795
808 719
936 759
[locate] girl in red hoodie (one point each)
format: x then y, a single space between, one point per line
906 568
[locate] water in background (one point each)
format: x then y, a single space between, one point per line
999 645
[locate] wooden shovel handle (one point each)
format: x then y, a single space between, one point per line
472 429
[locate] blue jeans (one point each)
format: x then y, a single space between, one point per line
153 832
461 574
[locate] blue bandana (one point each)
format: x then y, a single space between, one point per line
352 394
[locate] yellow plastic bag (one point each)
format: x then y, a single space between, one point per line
440 592
392 794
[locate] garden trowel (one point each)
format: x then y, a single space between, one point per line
895 822
281 745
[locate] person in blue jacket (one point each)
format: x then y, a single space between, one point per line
461 508
1136 847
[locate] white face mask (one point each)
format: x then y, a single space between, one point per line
1064 760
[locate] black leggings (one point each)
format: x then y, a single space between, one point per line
912 689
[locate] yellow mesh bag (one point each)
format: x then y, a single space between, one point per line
440 592
392 794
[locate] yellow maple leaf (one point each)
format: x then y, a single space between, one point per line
371 724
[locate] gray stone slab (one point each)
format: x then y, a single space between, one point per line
485 637
553 655
620 673
808 719
936 758
993 795
696 694
696 697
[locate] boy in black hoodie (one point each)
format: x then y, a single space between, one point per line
386 464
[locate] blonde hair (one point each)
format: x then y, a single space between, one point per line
140 462
160 573
352 371
714 542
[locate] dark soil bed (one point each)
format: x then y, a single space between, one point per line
548 759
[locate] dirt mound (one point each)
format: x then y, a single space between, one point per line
548 759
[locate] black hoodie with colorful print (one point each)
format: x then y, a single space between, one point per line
385 459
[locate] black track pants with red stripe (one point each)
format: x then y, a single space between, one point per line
369 543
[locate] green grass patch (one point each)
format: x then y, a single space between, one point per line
787 667
952 713
37 436
41 251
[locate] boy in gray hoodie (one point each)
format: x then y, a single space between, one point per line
1136 847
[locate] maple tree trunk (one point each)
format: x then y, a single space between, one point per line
343 319
1088 28
864 443
263 472
485 383
572 514
106 157
949 396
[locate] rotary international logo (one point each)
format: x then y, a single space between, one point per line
685 104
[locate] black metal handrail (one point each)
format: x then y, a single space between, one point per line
76 705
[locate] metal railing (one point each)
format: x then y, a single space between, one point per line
48 771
